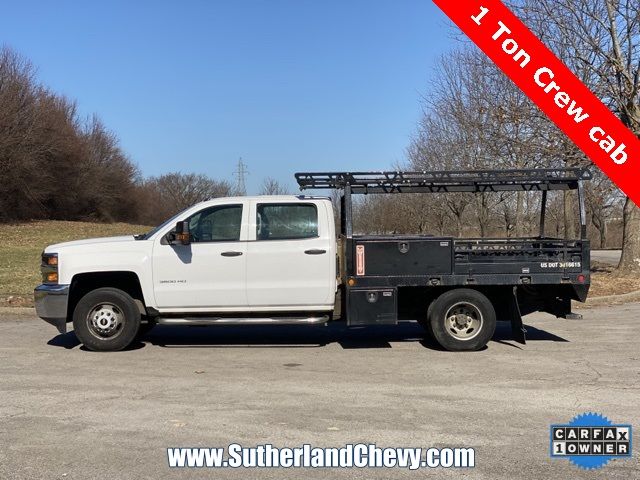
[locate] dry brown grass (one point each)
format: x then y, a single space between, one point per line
21 245
605 281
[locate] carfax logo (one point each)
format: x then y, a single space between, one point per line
590 441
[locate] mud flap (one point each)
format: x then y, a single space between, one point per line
517 328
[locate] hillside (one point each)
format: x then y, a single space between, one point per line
21 245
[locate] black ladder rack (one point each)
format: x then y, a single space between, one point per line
541 179
475 181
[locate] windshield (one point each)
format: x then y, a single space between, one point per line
152 232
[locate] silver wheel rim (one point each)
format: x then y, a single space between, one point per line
463 321
105 321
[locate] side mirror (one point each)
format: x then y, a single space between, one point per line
181 236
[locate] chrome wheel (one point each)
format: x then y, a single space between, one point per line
105 320
463 321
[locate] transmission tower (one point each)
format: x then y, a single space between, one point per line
240 174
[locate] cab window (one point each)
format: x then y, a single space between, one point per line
281 221
221 223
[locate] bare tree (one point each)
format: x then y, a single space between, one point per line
475 118
173 192
600 39
271 186
18 113
54 166
602 199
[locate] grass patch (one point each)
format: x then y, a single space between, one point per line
21 245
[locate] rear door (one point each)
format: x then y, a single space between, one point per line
291 256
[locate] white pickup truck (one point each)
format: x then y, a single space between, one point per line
276 259
232 256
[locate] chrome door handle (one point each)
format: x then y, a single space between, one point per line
315 251
231 254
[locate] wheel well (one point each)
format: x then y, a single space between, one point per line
83 283
413 302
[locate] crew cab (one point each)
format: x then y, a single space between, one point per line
279 260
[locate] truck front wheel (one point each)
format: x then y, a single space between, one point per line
462 320
106 319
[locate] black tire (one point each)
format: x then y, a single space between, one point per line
111 308
425 322
462 320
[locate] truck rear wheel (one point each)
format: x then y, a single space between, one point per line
106 319
425 321
462 320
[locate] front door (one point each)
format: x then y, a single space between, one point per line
210 272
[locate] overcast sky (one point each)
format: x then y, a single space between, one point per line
288 85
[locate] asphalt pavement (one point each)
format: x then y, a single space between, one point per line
611 257
68 413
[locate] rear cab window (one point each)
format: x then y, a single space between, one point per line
286 221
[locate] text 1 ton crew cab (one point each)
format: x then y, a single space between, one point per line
278 260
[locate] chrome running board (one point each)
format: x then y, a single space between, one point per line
242 321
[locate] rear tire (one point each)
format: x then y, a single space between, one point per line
462 320
106 319
425 322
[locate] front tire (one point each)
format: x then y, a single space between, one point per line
462 320
106 319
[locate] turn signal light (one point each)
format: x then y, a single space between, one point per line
351 282
52 277
52 261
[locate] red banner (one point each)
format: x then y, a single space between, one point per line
552 87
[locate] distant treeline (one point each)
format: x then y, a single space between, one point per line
56 165
475 118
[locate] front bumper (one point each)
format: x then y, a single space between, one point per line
51 304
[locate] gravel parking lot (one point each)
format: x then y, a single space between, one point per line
74 414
